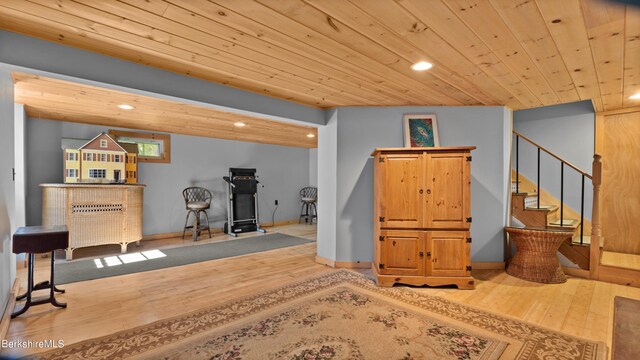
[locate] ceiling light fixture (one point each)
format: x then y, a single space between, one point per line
311 135
126 107
421 66
239 124
635 96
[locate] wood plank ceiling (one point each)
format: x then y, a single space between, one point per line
67 101
327 53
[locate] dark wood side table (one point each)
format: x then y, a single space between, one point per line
35 240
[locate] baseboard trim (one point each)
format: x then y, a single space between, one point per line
576 272
343 264
325 261
481 265
353 264
6 316
279 223
213 230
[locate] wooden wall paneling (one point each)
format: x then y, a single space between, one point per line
239 70
620 193
344 43
526 23
631 76
222 37
605 22
437 16
566 24
380 32
483 19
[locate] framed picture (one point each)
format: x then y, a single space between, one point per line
420 130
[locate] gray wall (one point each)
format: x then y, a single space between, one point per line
362 129
313 167
195 161
7 205
567 130
51 57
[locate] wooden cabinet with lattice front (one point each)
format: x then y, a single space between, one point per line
422 216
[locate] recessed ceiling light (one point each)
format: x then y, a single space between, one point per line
421 66
311 135
635 96
126 107
239 124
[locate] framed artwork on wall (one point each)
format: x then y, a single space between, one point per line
420 130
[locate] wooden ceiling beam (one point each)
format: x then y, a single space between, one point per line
66 101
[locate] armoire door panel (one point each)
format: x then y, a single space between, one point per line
401 191
449 253
447 201
402 252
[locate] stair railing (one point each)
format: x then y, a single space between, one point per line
563 163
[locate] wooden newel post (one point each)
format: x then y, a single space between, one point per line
596 230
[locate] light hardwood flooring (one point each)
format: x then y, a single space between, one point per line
100 307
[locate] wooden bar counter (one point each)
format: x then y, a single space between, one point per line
96 214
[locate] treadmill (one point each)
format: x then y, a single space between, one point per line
242 202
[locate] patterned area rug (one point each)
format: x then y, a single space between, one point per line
340 315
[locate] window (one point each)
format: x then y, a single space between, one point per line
117 158
131 159
72 173
103 143
89 156
103 157
71 156
151 147
131 174
97 173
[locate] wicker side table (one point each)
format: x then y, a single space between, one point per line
535 258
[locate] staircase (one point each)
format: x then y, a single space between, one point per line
537 209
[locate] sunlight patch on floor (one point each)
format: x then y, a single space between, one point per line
129 258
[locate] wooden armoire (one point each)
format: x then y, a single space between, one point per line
422 216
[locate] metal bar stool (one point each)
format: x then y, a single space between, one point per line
197 200
40 239
309 199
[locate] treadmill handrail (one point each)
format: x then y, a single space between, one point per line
226 178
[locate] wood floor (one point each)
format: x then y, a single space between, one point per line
100 307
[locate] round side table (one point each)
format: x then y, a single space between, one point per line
535 258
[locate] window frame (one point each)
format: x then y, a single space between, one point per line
165 155
103 171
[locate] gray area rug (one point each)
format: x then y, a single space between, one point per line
81 270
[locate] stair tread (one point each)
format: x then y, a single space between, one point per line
531 193
543 207
565 222
586 240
